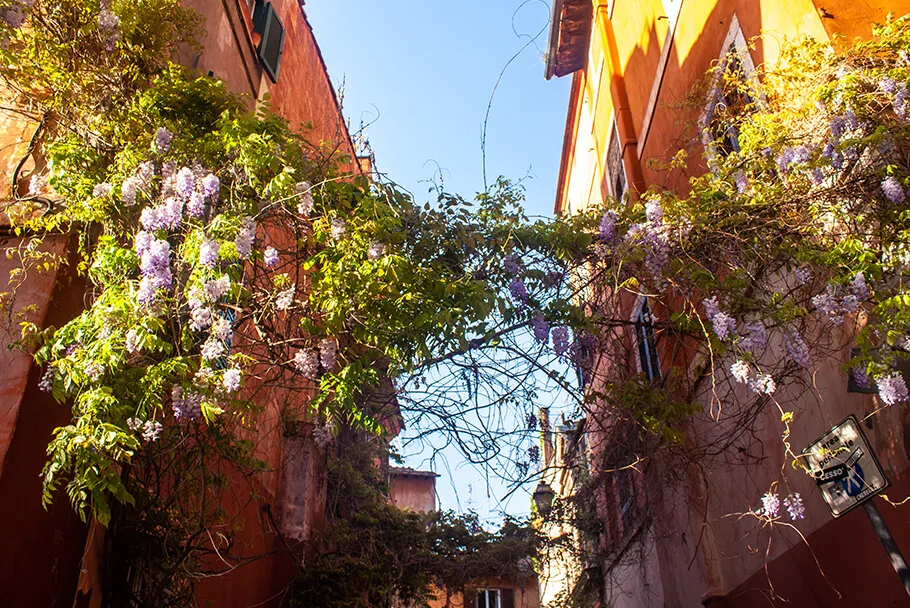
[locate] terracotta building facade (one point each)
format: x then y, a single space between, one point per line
50 558
679 542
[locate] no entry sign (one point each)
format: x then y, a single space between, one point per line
844 467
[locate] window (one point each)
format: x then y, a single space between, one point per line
730 99
627 498
489 598
268 25
614 183
644 336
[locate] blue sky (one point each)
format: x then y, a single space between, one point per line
422 74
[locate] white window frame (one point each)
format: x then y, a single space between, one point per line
638 322
734 42
486 594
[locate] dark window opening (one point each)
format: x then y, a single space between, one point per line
268 25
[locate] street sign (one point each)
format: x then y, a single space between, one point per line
844 467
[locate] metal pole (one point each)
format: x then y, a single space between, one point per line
888 542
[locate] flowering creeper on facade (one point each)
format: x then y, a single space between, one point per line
151 430
892 389
893 190
770 505
244 239
797 349
304 199
285 299
723 324
607 227
211 186
307 363
741 371
795 507
861 377
163 139
231 380
376 250
338 228
763 384
519 291
270 257
327 351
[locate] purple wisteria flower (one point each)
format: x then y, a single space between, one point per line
861 376
541 329
186 182
47 380
304 198
208 252
211 186
37 184
886 85
803 275
154 265
858 286
128 190
151 430
285 299
850 121
741 371
337 228
756 338
900 100
163 139
742 182
560 340
797 349
200 317
231 380
195 207
94 371
14 15
270 257
892 389
222 329
770 505
893 190
817 176
795 507
186 406
654 212
512 264
607 227
519 291
763 384
134 424
711 307
245 237
142 241
307 363
102 190
723 324
836 126
218 288
327 351
376 250
108 25
828 303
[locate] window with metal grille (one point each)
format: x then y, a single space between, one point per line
268 25
644 335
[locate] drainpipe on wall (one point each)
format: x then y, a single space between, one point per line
624 124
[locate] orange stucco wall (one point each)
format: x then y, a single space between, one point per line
412 492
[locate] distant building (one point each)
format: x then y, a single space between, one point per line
667 537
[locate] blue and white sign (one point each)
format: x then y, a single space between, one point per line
844 467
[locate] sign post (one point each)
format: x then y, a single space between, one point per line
849 475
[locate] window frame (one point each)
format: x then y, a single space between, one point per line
647 356
734 47
485 594
614 168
